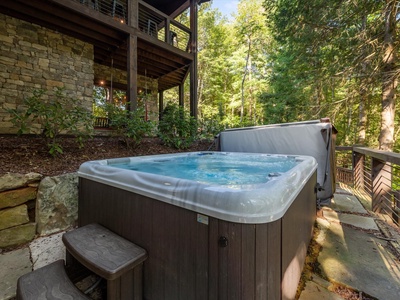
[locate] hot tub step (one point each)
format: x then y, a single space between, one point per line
110 256
49 282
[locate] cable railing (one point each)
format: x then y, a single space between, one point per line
150 21
116 9
375 179
164 28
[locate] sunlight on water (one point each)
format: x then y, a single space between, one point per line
214 168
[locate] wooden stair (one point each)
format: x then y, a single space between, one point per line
49 282
103 252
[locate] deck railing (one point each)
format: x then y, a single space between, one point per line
164 28
101 123
151 21
113 8
375 178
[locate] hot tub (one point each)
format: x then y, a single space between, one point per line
216 225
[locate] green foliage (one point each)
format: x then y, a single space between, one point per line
99 98
210 127
232 64
131 126
177 128
326 59
232 121
57 114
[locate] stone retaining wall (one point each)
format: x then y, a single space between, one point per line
31 205
33 57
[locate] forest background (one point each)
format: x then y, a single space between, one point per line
278 61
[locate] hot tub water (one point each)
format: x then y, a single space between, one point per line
212 168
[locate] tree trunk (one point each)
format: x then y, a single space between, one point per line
362 113
200 85
389 80
362 117
349 110
243 80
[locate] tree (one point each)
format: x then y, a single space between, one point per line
214 77
252 41
389 75
345 61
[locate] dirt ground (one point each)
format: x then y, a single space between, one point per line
24 154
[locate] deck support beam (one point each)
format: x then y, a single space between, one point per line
193 65
132 55
160 104
182 94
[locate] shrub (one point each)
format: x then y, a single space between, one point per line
177 128
130 126
210 127
56 114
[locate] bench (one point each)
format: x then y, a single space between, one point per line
49 282
110 256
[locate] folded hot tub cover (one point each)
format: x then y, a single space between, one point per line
314 138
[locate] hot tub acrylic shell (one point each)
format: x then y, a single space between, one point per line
196 256
254 203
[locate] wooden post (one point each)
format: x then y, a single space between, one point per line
358 170
182 94
193 65
396 208
133 21
160 104
167 31
381 175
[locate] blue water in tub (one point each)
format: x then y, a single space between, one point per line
216 167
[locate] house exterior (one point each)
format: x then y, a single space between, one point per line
129 45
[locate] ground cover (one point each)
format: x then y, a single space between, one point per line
24 154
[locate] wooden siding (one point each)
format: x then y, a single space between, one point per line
297 229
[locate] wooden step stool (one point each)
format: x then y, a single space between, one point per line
109 256
49 282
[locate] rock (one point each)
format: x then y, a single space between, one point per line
13 265
57 203
17 235
47 249
13 198
13 216
12 181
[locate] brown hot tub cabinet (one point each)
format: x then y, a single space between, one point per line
194 256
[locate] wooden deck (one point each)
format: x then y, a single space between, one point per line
140 37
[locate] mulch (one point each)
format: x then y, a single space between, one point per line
25 154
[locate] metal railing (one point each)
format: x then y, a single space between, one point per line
164 28
375 178
151 21
116 9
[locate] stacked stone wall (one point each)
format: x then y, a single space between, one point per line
33 57
31 205
17 205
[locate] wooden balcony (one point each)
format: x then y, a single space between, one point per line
142 37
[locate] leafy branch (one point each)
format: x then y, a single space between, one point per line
56 114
